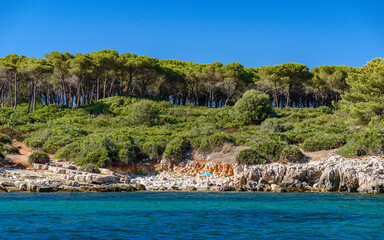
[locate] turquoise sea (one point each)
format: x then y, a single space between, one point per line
191 215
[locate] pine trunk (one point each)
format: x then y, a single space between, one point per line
34 97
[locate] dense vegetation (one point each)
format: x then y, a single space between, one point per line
103 108
39 157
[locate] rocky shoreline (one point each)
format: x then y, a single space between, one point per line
57 177
335 174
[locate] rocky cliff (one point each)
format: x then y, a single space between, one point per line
333 174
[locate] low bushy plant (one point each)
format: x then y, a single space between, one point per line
69 152
8 131
19 118
39 157
11 150
97 108
291 153
215 142
176 148
299 135
273 125
270 148
367 142
251 156
96 157
98 150
52 111
129 154
154 148
324 142
298 115
3 120
203 129
4 138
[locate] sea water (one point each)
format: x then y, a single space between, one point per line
191 215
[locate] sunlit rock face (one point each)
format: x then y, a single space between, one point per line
333 174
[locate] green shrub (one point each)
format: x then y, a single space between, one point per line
37 139
299 135
13 150
291 153
39 157
273 125
253 107
9 131
129 154
96 157
154 148
51 148
324 110
97 108
367 142
202 129
196 141
270 148
56 142
177 148
3 121
19 118
46 113
251 156
336 129
307 113
69 152
5 138
52 138
215 142
10 149
91 168
225 117
145 112
324 142
98 150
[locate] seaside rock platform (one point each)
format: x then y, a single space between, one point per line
63 178
333 174
336 174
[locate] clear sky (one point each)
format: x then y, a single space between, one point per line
254 33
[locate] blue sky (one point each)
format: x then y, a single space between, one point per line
254 33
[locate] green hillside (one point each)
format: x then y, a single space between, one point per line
93 128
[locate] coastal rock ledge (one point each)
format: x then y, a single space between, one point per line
334 174
48 178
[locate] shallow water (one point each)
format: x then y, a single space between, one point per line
195 215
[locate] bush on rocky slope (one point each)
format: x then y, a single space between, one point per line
324 142
39 157
364 143
251 156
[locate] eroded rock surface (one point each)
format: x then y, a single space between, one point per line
62 177
333 174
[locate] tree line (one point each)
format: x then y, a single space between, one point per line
83 78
